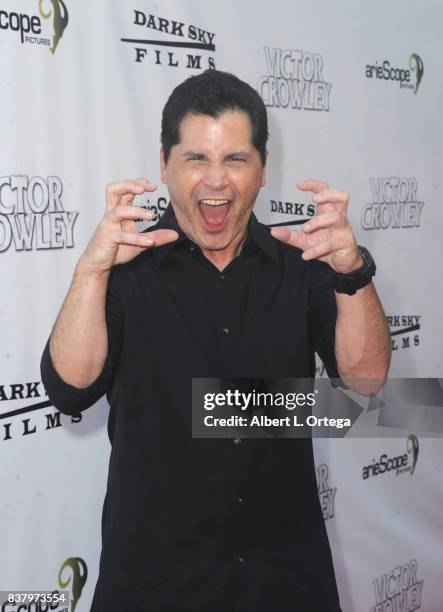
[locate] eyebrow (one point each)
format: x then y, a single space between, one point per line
245 154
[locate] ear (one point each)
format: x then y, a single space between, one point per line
162 166
263 181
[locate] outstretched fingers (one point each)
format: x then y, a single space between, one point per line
135 213
162 236
295 239
123 192
324 221
319 251
314 185
146 240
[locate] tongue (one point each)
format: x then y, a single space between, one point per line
214 216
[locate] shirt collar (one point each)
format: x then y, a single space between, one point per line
256 232
261 234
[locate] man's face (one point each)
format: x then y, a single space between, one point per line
213 176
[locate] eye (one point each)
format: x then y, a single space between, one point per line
196 157
236 158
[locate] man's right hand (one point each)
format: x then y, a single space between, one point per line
117 239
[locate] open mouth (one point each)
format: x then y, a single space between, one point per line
214 212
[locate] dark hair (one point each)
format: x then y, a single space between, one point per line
212 93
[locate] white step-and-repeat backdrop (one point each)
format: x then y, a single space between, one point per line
354 92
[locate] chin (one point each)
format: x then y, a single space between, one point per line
215 244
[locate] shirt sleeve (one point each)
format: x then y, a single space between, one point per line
72 400
322 316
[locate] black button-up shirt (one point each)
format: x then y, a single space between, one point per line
208 525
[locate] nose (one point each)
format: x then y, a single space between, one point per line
216 176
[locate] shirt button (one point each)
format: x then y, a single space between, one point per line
192 247
240 500
240 558
225 330
237 440
222 277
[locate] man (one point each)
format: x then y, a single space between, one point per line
227 524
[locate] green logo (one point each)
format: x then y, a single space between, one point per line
79 577
412 447
416 65
60 21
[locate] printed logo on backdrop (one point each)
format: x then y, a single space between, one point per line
75 580
394 205
169 42
157 206
404 331
72 578
326 493
399 590
32 215
403 463
295 213
22 411
294 79
44 27
408 77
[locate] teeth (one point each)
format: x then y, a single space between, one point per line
214 202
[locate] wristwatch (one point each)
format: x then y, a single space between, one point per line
349 282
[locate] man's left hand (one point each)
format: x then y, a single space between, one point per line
328 236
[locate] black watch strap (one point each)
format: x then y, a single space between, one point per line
350 282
